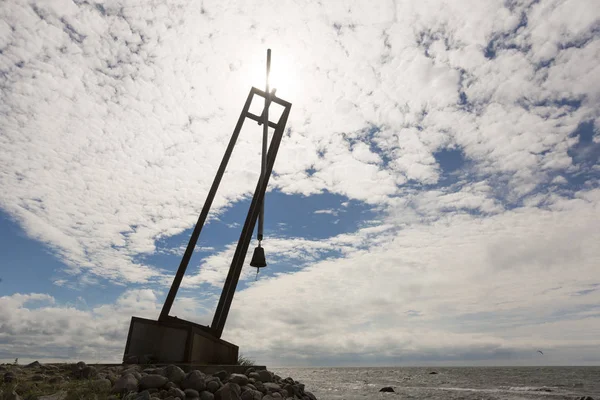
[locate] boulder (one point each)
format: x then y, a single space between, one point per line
102 384
191 394
171 385
238 379
153 381
173 373
207 396
310 395
260 387
213 386
126 383
249 371
194 380
264 376
387 389
433 373
222 375
276 395
272 387
177 393
144 395
254 375
251 395
229 391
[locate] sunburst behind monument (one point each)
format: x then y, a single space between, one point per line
173 340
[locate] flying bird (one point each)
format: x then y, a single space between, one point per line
539 351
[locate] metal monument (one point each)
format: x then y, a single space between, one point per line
173 340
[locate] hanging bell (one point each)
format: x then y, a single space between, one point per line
258 258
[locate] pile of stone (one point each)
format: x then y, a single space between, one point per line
171 383
132 382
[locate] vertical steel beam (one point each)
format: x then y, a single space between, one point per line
242 248
202 218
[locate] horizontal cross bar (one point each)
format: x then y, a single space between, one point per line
258 119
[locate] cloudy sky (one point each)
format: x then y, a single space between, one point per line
436 199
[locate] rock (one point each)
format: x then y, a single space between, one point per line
129 370
213 385
173 373
150 371
126 383
276 395
249 371
222 375
177 393
272 387
112 397
144 395
260 387
254 375
276 378
251 386
586 398
264 376
387 389
238 379
251 395
9 377
153 381
194 380
289 389
433 373
171 385
310 395
33 364
268 397
229 391
191 393
207 396
38 378
102 384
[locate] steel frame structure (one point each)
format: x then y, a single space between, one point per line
235 269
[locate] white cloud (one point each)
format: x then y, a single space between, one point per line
114 119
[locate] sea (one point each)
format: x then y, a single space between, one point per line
468 383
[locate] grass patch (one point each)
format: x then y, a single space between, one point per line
245 361
82 389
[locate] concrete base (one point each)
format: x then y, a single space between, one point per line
176 341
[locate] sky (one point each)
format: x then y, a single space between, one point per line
435 199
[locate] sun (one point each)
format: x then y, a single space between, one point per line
284 76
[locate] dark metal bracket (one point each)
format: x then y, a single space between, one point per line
235 269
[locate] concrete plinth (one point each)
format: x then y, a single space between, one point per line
176 341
